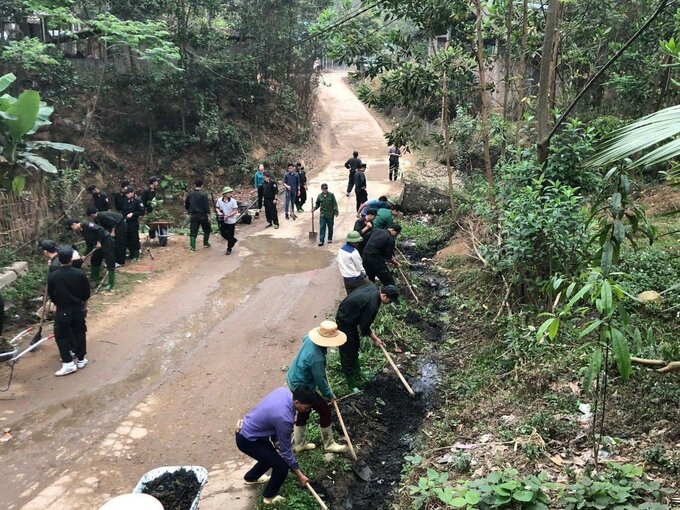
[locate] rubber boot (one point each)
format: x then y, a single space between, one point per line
95 272
299 444
206 244
135 256
112 280
329 443
192 243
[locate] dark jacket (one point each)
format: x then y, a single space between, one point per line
292 180
360 308
109 219
147 196
134 206
101 201
352 164
93 234
379 246
365 236
119 200
197 202
360 180
270 189
68 288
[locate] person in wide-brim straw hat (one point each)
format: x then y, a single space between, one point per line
308 369
350 264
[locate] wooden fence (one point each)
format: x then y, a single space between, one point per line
22 218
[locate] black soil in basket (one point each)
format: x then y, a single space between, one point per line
175 491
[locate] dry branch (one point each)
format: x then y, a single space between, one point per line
664 366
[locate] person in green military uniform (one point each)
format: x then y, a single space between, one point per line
198 207
308 370
385 217
329 210
97 238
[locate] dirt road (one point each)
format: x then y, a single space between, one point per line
178 360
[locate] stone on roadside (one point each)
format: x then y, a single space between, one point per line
6 278
19 267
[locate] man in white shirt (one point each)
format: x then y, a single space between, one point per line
227 208
350 263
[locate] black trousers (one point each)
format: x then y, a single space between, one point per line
349 351
394 171
199 220
362 196
107 253
350 181
120 242
270 211
227 231
263 451
260 195
70 333
378 269
2 314
301 198
321 406
351 285
133 243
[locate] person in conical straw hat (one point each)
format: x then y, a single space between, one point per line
308 369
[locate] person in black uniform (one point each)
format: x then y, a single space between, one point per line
49 249
148 196
115 224
69 289
270 193
302 179
120 198
132 210
365 228
378 251
360 185
100 200
98 239
198 208
352 164
354 318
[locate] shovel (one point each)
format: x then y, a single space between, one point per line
312 234
359 467
394 367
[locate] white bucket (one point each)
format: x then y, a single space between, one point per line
200 472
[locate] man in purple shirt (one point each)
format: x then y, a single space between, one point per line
273 419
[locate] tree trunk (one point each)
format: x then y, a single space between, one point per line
508 44
543 107
485 99
521 70
554 55
445 131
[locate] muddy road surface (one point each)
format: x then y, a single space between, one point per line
177 359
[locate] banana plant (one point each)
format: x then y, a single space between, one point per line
21 117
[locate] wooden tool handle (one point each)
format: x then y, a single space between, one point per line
316 496
344 431
42 311
408 284
394 367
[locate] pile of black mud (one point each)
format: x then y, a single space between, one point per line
175 491
385 420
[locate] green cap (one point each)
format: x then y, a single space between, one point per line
354 237
227 189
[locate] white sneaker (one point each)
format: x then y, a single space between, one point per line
66 368
82 363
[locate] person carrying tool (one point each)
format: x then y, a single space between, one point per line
352 164
258 182
378 251
69 289
350 263
291 183
197 206
270 192
308 370
329 210
354 317
227 208
148 199
273 417
394 154
115 224
132 210
360 185
97 239
364 226
302 179
99 200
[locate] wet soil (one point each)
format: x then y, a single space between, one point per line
175 491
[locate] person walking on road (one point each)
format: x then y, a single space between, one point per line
354 317
378 251
308 370
258 182
228 210
99 200
302 179
360 185
69 290
114 223
364 226
329 210
350 263
292 185
394 154
97 239
352 164
270 192
132 211
273 418
197 206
